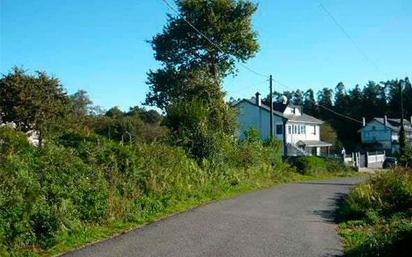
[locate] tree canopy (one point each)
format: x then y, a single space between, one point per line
192 67
372 100
33 102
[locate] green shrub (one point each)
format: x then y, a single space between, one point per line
309 165
12 142
252 135
386 193
314 165
44 224
390 239
83 180
382 208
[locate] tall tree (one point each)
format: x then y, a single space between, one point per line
372 102
341 98
309 104
81 103
325 101
192 66
34 102
407 92
298 98
355 102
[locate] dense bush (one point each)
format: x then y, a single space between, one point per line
387 193
390 239
313 165
79 180
378 216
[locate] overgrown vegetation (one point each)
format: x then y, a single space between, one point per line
313 165
77 185
96 173
377 216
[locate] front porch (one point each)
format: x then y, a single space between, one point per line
312 147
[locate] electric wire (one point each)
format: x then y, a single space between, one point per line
259 73
210 41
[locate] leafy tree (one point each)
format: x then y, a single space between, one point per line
407 93
81 104
341 98
309 104
355 102
325 100
329 134
373 105
148 116
119 126
34 102
114 112
192 67
188 122
298 98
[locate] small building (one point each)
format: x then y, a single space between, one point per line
383 133
298 132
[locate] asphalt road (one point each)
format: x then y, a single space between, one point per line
292 220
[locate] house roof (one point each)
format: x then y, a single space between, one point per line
313 143
293 118
303 118
265 107
395 124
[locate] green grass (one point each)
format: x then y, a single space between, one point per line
376 218
86 188
90 234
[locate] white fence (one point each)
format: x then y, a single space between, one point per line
368 159
375 160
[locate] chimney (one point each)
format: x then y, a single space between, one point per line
258 99
385 120
363 121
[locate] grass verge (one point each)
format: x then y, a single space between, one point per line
94 233
375 219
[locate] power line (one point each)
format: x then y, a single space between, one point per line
344 31
324 107
209 40
246 67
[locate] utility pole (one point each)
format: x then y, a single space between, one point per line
402 130
271 106
401 95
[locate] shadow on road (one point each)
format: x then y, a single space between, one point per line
330 215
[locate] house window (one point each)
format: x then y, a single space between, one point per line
295 129
293 110
373 127
314 130
290 129
303 128
279 129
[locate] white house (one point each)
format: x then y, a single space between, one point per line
298 132
32 135
383 133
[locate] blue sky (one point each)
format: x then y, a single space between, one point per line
99 46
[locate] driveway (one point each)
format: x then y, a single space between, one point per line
291 220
